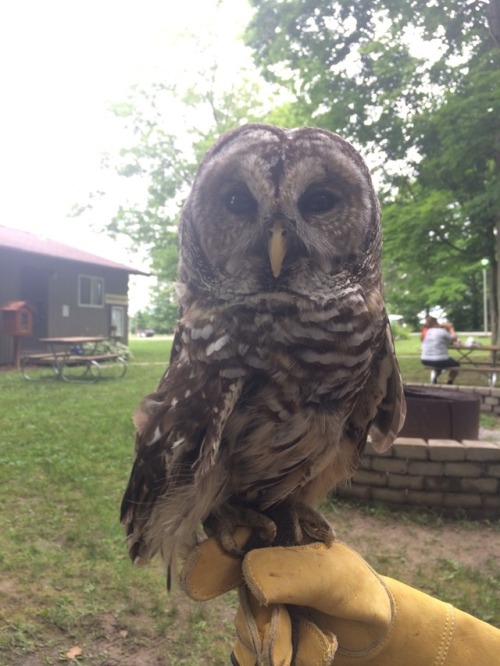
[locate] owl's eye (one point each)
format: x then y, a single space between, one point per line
318 201
240 202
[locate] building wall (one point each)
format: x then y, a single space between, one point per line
50 285
9 288
66 316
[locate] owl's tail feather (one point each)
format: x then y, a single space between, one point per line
391 410
175 522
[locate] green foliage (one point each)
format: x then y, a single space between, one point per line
160 164
431 257
399 332
353 67
417 86
162 314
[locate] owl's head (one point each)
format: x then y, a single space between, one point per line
279 210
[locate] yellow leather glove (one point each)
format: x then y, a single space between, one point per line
336 610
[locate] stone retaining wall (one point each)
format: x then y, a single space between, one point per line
490 397
446 474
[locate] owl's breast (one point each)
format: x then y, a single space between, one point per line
273 448
312 352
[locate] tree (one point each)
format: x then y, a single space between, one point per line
160 163
430 124
440 274
459 141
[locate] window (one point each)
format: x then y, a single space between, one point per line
90 291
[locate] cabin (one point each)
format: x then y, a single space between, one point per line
69 292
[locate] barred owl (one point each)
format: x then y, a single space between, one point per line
283 360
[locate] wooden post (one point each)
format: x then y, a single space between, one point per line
17 352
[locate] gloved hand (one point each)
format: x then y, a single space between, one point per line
336 609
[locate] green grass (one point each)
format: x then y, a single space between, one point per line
464 586
65 456
150 350
66 452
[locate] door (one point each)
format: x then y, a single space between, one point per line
118 321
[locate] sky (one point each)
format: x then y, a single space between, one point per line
62 63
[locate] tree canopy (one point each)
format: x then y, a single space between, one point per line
160 164
417 87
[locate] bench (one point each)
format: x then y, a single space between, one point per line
41 359
84 359
92 364
60 362
490 371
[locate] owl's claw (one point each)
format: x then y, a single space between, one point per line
223 523
286 524
299 524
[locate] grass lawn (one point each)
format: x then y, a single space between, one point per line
66 580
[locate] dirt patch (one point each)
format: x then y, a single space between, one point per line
488 435
473 544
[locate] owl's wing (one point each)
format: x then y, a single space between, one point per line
381 407
179 430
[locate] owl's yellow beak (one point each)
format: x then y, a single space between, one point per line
276 248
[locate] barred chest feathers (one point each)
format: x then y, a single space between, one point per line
311 352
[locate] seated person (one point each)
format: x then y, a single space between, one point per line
424 330
438 338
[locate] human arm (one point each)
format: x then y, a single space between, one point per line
449 327
330 595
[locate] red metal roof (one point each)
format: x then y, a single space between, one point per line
26 242
13 306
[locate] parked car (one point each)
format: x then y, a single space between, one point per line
145 333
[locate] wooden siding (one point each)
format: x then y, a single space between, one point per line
9 288
50 285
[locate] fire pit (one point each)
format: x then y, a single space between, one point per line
435 413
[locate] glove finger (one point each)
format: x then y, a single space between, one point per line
264 633
210 571
265 636
314 645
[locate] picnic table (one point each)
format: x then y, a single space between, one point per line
74 359
466 353
468 363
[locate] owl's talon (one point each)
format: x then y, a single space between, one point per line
229 544
299 524
323 533
223 523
